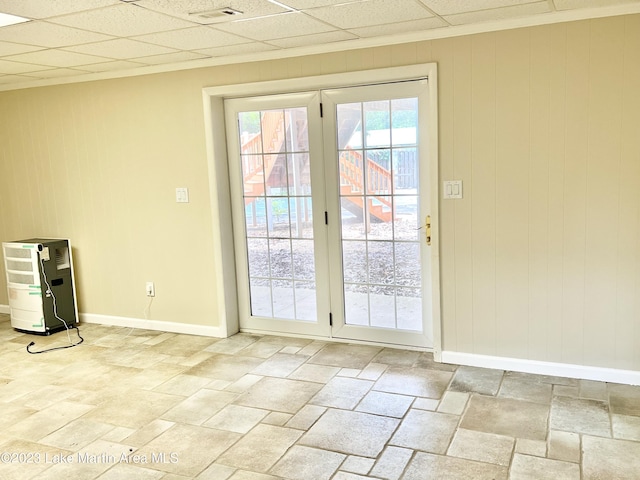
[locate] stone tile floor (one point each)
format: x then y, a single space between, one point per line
138 404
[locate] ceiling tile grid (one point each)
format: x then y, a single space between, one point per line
62 40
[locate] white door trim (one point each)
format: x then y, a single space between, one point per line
222 241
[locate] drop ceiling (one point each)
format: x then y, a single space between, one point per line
75 40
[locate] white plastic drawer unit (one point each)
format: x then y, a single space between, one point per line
24 288
29 265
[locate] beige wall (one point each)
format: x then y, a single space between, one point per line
540 260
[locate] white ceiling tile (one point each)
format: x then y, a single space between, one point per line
170 58
111 66
254 47
451 7
186 8
8 79
571 4
316 39
402 27
124 19
45 34
304 4
277 26
50 8
58 72
193 38
498 13
7 48
120 48
56 58
369 13
9 67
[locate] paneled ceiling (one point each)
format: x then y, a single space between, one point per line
72 40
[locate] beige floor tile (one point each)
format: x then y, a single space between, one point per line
216 471
397 358
199 407
605 458
244 475
279 365
261 448
342 392
187 449
130 472
522 389
184 345
626 427
476 380
624 399
260 350
44 422
524 467
243 384
427 466
142 407
314 373
426 361
536 448
233 344
153 376
358 465
506 416
235 418
392 463
41 454
12 413
427 431
564 446
387 404
345 355
182 384
225 367
349 476
580 416
279 419
593 390
373 371
349 372
279 394
77 434
417 382
453 402
483 447
306 417
147 433
352 433
305 463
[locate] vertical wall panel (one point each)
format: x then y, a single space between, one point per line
575 186
602 194
512 185
626 325
556 74
443 50
538 315
483 201
462 149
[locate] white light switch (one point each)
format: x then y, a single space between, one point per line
182 195
452 189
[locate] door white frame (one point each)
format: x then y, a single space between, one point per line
214 119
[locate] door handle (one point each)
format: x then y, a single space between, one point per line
427 229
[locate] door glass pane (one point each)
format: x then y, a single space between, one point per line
378 165
274 147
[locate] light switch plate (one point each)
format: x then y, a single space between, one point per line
452 189
182 195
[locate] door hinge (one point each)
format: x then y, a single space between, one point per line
321 112
330 319
326 218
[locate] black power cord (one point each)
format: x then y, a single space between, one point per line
58 348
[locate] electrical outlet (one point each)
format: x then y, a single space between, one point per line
151 289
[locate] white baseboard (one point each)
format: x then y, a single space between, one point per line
173 327
583 372
5 309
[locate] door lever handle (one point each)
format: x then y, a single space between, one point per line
427 229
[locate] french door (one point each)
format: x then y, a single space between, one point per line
330 203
